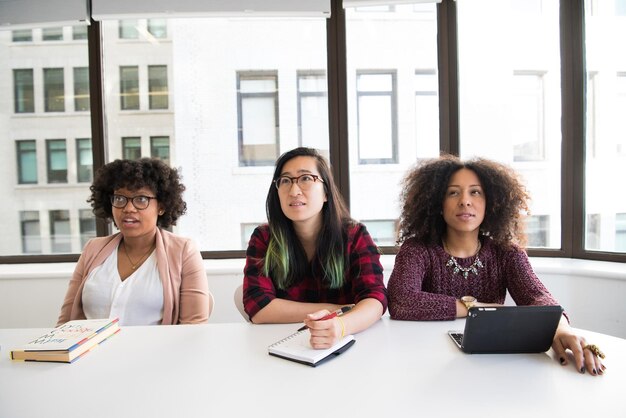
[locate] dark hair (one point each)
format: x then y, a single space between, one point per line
285 259
424 191
152 173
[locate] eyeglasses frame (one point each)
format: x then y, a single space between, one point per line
296 179
131 200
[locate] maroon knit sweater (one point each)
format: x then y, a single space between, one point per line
422 287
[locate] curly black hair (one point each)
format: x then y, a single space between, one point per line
152 173
424 191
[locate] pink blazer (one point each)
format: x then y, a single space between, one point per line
185 288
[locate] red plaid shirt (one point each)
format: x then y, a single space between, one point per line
364 275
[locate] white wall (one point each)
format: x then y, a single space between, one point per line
591 292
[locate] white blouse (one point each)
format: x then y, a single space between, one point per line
138 300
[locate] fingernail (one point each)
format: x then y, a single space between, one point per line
562 360
594 372
582 370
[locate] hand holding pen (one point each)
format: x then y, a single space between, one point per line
331 315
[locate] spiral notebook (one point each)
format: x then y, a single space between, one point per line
296 347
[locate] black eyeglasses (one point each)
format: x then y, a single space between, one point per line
304 182
139 202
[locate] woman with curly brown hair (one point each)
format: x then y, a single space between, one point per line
144 275
462 242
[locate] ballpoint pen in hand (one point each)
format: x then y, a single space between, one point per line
331 315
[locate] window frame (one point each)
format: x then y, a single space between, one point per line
573 78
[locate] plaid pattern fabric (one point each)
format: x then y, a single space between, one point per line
364 276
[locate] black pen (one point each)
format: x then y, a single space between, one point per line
331 315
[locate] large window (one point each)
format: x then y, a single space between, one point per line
45 136
129 87
222 98
56 158
26 162
257 99
606 141
393 110
157 86
510 97
24 91
54 90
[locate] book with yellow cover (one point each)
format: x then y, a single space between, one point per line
68 342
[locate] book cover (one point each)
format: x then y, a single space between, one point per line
296 347
68 342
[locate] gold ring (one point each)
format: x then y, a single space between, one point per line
595 350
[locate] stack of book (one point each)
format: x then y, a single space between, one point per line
68 342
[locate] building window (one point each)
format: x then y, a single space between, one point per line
22 35
376 117
31 233
81 89
24 91
528 116
128 29
84 160
131 147
54 90
52 34
383 232
538 228
56 153
87 224
157 86
160 148
26 162
313 110
157 28
60 235
129 87
257 110
79 32
426 113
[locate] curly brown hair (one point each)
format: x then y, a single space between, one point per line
152 173
424 191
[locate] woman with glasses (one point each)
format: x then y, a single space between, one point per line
312 258
144 275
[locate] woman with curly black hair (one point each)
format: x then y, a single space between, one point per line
462 237
144 275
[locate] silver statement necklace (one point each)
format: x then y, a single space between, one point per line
465 271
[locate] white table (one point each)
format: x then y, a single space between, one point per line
396 368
